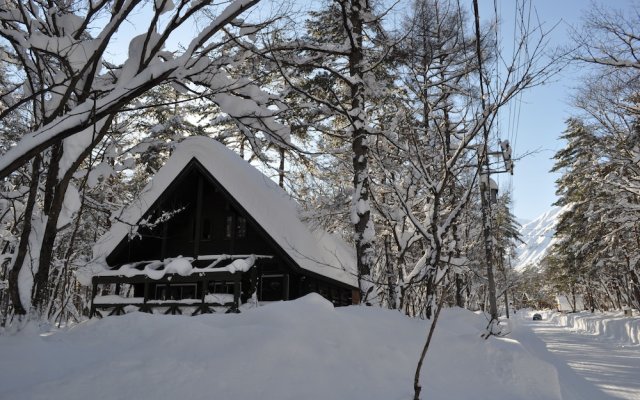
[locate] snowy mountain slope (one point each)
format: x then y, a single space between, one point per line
538 238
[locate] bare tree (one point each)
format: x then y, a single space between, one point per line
456 117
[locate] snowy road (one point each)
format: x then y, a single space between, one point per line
589 366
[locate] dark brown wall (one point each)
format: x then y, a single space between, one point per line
210 224
180 230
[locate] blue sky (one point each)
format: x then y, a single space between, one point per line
544 109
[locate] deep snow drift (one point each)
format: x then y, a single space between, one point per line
303 349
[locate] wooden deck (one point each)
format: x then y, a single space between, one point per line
147 304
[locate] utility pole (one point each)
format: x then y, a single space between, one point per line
488 196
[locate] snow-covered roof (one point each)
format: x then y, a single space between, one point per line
318 251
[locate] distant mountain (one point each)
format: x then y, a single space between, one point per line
523 221
538 238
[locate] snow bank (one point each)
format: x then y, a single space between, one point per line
612 326
302 349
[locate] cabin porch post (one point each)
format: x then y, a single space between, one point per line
236 293
94 289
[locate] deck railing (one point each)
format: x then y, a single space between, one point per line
207 303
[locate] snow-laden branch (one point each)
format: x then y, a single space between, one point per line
95 96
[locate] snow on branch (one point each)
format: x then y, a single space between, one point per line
70 89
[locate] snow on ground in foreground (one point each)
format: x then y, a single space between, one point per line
590 366
303 349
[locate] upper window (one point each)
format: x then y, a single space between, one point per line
229 230
240 228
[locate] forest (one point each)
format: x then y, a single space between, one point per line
378 118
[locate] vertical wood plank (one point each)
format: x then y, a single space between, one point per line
198 221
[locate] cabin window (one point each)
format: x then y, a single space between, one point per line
274 287
229 231
176 291
241 227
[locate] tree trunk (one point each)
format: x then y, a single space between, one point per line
506 303
67 258
459 290
417 388
55 190
14 286
57 196
635 286
281 169
361 214
391 287
592 304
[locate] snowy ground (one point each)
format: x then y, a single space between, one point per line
595 355
303 349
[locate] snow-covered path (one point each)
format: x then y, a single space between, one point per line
589 366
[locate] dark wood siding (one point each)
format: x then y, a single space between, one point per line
206 221
224 229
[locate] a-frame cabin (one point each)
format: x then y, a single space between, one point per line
211 231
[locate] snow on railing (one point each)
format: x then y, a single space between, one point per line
156 269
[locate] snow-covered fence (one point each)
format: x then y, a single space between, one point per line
614 326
